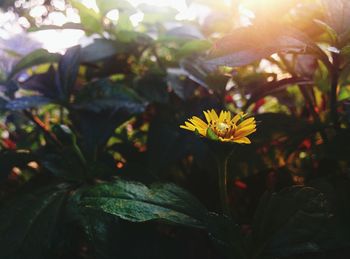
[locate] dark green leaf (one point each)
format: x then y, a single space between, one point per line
153 87
64 134
27 102
185 32
68 69
3 103
100 229
342 203
296 220
106 95
43 83
227 235
71 169
196 70
29 223
100 49
180 83
34 58
138 203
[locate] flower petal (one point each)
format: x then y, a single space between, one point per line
243 140
207 116
237 117
245 128
246 122
188 126
228 116
198 122
222 127
222 116
213 115
244 133
225 139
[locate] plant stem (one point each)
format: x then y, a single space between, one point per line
311 108
236 247
79 154
334 86
36 120
222 161
223 186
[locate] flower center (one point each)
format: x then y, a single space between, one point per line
222 126
223 129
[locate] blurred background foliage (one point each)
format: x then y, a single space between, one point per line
93 163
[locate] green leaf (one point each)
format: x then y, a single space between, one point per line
107 5
124 23
138 203
342 205
331 32
68 69
153 87
344 93
64 134
100 49
227 235
296 220
37 57
72 168
345 50
101 230
178 80
125 30
3 103
29 222
183 33
106 95
90 19
193 47
196 70
27 102
156 14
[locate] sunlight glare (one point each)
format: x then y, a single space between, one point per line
52 39
268 6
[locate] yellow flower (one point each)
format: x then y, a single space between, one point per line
223 127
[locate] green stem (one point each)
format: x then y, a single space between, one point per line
79 154
237 247
223 179
334 86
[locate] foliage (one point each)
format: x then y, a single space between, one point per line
93 163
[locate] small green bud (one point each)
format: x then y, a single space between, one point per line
211 135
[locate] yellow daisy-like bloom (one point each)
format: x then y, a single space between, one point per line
223 127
